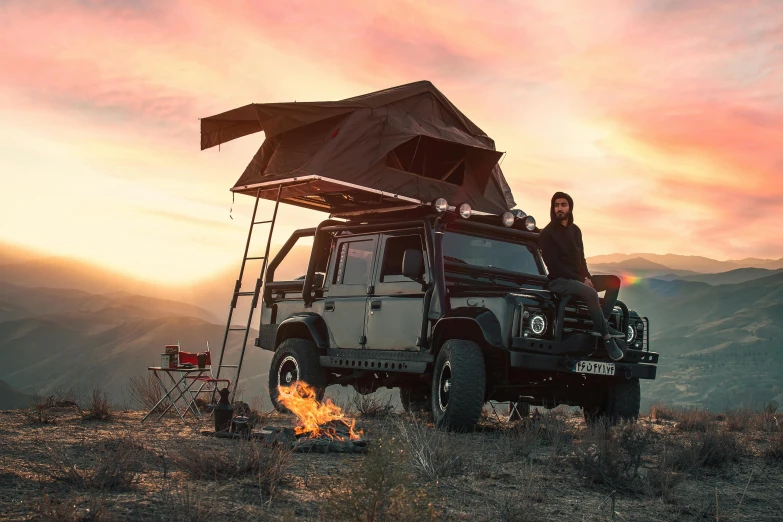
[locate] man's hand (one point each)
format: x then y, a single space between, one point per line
589 283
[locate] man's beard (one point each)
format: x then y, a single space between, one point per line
562 216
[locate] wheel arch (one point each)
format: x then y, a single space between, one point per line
470 323
305 325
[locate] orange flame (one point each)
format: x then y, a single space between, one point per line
314 416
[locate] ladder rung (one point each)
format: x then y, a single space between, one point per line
262 222
244 293
238 328
229 366
254 258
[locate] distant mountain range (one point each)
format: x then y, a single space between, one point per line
67 323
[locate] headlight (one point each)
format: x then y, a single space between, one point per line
631 334
465 210
538 324
441 205
530 223
508 219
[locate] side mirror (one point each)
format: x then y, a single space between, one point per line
413 264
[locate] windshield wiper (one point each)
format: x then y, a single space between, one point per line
454 260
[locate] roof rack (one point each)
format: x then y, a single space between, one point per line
337 197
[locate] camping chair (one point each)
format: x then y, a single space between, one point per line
208 381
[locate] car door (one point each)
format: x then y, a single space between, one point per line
345 298
396 305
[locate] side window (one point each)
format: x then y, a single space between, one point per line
353 263
391 269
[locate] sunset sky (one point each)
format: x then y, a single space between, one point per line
663 119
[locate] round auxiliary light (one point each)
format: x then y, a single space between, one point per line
631 334
508 219
518 213
530 223
640 326
538 324
441 205
465 210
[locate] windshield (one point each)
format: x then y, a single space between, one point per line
491 253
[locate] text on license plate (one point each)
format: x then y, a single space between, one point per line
598 368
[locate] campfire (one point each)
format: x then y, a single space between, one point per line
317 419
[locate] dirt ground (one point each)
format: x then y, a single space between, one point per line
62 467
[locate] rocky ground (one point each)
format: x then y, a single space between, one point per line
59 463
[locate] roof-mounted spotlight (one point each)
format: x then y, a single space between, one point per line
440 204
465 210
518 213
508 219
529 222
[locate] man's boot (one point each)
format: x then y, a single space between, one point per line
614 351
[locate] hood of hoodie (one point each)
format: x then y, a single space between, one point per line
559 195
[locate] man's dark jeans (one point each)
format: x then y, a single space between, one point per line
589 295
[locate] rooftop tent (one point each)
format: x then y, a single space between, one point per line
400 146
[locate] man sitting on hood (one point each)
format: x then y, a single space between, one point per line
564 255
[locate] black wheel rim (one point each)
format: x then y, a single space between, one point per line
444 386
287 372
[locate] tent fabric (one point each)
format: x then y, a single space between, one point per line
408 140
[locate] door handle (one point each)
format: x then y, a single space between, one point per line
375 305
329 306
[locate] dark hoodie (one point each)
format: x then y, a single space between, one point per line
561 246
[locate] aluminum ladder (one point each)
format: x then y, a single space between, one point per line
238 293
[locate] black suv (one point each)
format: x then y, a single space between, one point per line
451 307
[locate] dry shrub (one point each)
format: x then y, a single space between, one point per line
613 455
522 440
663 412
53 508
186 504
523 502
739 420
369 406
711 449
379 489
694 419
554 430
265 464
39 411
434 454
774 453
98 407
769 417
113 463
145 391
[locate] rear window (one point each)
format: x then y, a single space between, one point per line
490 253
354 263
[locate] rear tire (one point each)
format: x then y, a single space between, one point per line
415 400
614 401
458 386
295 360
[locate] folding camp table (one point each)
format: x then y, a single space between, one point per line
180 389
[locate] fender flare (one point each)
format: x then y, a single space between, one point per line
469 322
302 324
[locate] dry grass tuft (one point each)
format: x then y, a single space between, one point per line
613 456
146 392
369 406
434 454
774 453
522 502
267 465
663 412
694 419
98 407
377 490
53 508
39 412
711 449
114 463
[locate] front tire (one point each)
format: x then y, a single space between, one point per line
613 401
458 385
295 360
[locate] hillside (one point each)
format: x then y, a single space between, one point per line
700 264
720 345
61 338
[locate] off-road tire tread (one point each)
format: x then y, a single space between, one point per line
618 400
468 376
310 369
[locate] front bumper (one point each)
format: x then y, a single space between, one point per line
565 364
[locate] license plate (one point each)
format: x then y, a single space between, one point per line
597 368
